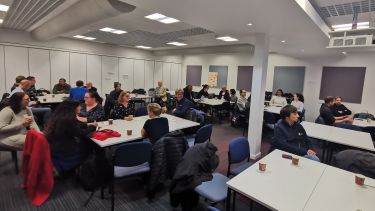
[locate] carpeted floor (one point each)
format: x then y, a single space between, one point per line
130 194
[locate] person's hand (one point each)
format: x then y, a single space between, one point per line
311 152
81 119
27 121
173 110
349 119
95 124
129 118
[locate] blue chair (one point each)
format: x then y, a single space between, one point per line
130 159
203 134
238 151
215 190
142 111
349 127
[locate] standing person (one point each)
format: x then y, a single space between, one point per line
340 109
161 96
15 120
92 110
298 101
279 99
68 137
23 86
203 92
327 114
183 105
89 87
233 97
112 98
124 108
290 136
155 127
188 93
18 81
78 93
61 88
224 93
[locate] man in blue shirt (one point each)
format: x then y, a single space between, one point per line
78 93
182 104
290 136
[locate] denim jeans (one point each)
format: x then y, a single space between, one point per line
312 157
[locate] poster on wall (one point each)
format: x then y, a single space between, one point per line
221 77
212 79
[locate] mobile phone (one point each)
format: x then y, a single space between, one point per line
287 156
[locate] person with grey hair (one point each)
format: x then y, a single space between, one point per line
183 105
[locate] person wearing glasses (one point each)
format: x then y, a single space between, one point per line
92 110
124 109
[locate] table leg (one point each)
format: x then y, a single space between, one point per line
228 199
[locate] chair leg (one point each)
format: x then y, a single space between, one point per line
15 160
113 196
89 199
102 192
234 201
251 205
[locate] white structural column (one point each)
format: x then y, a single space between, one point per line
257 95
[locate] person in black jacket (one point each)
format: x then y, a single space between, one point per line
327 114
68 137
290 136
339 109
224 93
188 93
203 92
111 99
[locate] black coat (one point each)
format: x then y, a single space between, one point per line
356 161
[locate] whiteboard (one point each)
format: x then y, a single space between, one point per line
59 66
158 74
149 74
139 74
167 75
126 74
110 68
16 63
77 68
94 72
39 65
2 72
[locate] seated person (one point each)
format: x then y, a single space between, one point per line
242 101
298 102
124 109
78 93
68 137
92 110
15 119
182 104
18 81
233 97
155 127
224 93
23 86
339 109
203 92
61 88
279 99
327 114
290 136
188 93
112 98
89 87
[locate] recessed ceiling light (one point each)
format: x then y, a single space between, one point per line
89 38
1 20
348 26
119 32
249 24
168 20
155 16
283 41
227 39
79 36
107 29
144 47
177 43
4 8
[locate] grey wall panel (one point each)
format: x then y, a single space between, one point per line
16 63
346 82
222 74
193 75
289 79
245 77
40 67
2 72
59 66
94 72
78 68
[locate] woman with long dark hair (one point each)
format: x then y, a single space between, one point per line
203 92
68 137
298 101
92 110
279 99
15 119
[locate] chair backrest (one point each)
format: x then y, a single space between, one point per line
203 134
370 130
239 150
320 120
349 127
269 118
133 154
142 111
302 115
141 91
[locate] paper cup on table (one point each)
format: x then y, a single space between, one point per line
129 132
295 161
359 179
262 167
110 121
44 99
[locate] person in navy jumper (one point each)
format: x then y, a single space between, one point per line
182 104
290 136
78 93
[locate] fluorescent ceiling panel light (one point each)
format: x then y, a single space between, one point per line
177 43
4 8
227 39
249 24
168 20
119 32
1 20
155 16
79 36
107 29
223 38
348 26
89 38
283 41
144 47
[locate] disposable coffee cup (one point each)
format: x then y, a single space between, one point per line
44 100
110 121
369 120
53 95
295 161
129 132
262 167
359 179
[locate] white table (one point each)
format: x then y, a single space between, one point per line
273 109
283 186
336 190
52 98
363 123
121 126
140 97
211 102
